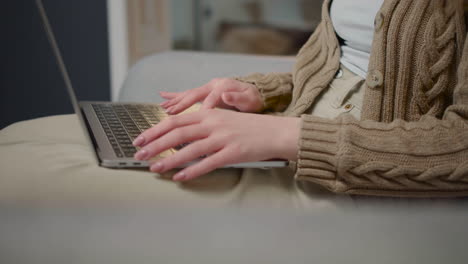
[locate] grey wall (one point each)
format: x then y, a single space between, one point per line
30 82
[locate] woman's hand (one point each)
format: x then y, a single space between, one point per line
223 93
226 137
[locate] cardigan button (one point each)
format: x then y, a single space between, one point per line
348 107
374 79
379 21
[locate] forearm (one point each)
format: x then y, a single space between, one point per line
425 158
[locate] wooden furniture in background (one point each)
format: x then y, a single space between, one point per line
148 28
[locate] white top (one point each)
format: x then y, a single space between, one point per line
354 23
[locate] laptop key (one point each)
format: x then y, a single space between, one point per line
124 122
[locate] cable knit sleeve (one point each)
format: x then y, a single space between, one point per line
275 89
428 157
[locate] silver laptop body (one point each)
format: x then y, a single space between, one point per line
110 128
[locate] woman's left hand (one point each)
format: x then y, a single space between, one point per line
226 137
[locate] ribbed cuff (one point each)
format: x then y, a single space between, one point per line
274 89
318 149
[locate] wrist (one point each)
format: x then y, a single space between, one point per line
288 138
257 105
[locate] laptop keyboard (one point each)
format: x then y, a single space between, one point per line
122 123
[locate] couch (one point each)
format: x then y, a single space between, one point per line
57 205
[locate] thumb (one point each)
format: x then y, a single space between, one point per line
238 100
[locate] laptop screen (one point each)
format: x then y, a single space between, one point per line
63 69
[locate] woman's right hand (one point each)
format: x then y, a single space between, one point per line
222 92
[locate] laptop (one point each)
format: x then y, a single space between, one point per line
111 127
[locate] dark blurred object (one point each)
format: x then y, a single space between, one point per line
254 10
260 38
311 11
466 14
31 84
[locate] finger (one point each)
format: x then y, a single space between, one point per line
169 95
208 164
212 99
179 97
165 126
187 154
173 138
173 102
187 101
176 100
164 104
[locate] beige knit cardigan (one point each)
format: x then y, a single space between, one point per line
412 139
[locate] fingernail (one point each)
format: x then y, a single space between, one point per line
179 176
138 141
157 167
141 155
169 110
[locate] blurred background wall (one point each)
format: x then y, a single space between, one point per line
264 27
102 39
30 82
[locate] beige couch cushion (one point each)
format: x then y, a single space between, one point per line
48 160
